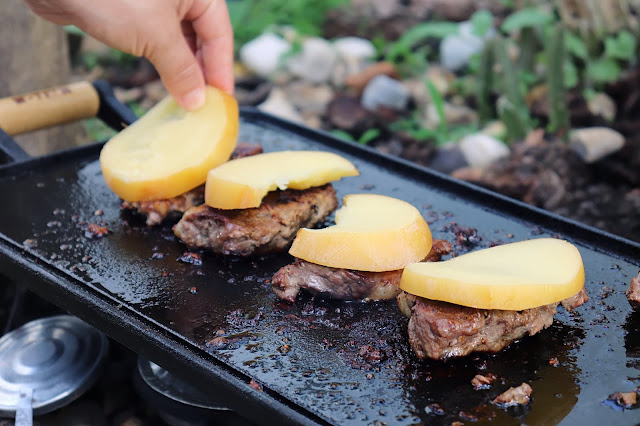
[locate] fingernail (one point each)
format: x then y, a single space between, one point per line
193 100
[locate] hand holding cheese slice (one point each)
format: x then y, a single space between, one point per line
243 183
169 150
372 233
514 276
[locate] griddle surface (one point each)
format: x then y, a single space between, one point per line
308 354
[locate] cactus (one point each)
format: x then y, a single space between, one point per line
558 114
517 123
528 44
514 111
485 83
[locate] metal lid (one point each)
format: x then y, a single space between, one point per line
58 358
175 388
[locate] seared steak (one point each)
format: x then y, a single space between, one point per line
171 209
266 229
633 292
345 284
514 396
441 330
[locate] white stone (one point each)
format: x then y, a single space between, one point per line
453 114
315 62
356 48
385 91
601 104
262 54
457 49
480 150
309 98
594 143
277 104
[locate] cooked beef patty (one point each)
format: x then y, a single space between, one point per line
266 229
441 330
171 209
633 292
345 284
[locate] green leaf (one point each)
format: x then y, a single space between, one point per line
529 17
342 135
426 30
571 76
575 46
603 70
368 136
622 46
481 22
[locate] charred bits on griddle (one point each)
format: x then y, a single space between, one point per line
466 237
190 258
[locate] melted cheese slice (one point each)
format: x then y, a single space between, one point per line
169 150
514 276
244 182
372 233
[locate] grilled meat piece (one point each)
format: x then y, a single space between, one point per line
441 330
266 229
171 209
514 396
345 284
633 292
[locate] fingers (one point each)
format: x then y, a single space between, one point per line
176 63
215 36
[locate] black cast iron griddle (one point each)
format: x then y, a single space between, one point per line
218 324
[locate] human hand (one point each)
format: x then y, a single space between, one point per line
190 42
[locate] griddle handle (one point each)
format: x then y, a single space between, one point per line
10 151
50 107
113 112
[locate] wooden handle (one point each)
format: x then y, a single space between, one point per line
50 107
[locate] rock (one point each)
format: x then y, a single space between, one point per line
359 81
457 49
347 113
496 129
594 143
448 159
480 150
309 98
315 62
262 54
252 91
278 105
601 104
438 76
453 114
354 48
384 91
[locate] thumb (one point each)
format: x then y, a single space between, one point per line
179 70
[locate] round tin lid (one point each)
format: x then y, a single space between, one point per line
175 388
57 358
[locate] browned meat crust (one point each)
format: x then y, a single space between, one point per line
633 292
266 229
157 211
480 381
441 330
514 396
171 209
345 284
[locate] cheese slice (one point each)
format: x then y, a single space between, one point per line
514 276
244 182
372 233
169 150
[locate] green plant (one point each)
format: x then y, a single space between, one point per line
250 18
367 137
558 114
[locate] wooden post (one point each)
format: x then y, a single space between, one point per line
34 56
